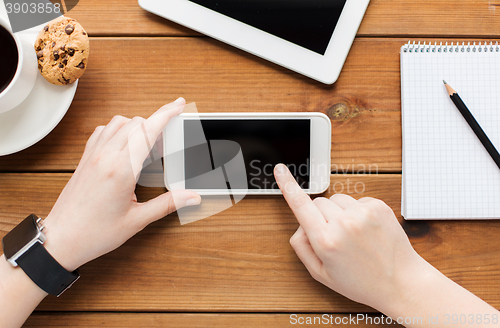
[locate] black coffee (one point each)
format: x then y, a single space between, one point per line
9 58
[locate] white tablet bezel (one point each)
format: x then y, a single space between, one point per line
320 157
324 68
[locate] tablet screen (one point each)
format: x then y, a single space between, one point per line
307 23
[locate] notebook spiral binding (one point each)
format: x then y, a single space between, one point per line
418 47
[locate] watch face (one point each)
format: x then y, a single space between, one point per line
21 235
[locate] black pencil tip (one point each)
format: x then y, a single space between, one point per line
444 82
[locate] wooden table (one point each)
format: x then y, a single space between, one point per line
237 269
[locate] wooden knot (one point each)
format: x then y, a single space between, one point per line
338 112
344 111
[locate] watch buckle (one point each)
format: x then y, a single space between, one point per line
67 287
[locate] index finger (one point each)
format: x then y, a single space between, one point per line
309 216
142 137
156 122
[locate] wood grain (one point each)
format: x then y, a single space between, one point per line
240 320
135 76
240 259
463 18
364 104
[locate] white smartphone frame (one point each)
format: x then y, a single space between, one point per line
320 150
324 68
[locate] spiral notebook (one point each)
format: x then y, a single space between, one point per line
447 173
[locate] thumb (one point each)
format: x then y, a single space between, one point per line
167 203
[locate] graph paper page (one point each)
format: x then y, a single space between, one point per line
447 172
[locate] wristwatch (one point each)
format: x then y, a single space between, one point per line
23 246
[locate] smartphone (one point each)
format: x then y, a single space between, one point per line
235 153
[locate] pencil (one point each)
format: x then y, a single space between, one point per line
473 123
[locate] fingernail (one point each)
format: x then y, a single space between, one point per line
280 169
193 201
180 101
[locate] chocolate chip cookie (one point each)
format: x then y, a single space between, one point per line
62 49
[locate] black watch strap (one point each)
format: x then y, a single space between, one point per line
45 271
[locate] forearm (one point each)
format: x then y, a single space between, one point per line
430 299
19 295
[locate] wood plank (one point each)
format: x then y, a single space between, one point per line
364 104
408 18
443 18
240 320
123 18
240 260
135 76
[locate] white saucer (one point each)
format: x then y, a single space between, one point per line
36 116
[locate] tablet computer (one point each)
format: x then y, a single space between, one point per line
311 37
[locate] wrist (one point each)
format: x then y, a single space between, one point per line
13 280
19 295
407 291
57 245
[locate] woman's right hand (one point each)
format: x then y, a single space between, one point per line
355 247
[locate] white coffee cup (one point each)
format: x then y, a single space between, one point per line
27 69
